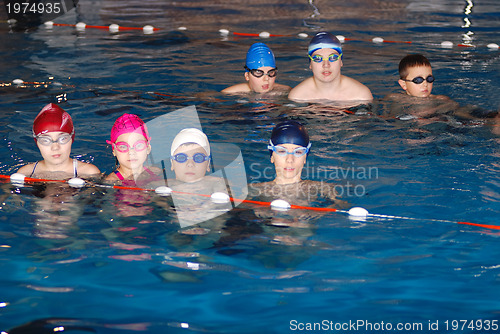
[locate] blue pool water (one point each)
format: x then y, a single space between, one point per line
78 259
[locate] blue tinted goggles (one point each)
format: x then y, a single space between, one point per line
331 58
197 157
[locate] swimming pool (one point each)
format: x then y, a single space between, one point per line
82 264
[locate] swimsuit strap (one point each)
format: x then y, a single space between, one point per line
75 165
149 171
33 172
119 175
154 176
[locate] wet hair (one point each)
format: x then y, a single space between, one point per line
412 60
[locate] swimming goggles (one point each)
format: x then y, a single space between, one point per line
331 58
259 73
282 151
419 80
47 141
197 157
124 147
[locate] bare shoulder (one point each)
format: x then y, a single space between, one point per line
238 88
441 97
357 90
87 169
26 169
155 170
302 90
395 97
111 177
281 88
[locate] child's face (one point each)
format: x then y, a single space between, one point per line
326 70
55 153
131 150
420 90
289 167
262 84
190 171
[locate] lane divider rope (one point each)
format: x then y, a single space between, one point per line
356 213
149 29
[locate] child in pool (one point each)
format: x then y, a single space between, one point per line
190 157
417 80
54 134
131 146
289 148
190 161
327 82
415 77
260 72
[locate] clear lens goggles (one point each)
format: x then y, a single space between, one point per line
47 141
282 151
124 147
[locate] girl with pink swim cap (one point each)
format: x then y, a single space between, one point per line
54 134
131 146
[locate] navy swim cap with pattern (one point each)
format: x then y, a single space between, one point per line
324 40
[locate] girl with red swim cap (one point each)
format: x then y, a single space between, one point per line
54 133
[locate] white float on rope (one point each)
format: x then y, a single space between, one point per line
281 205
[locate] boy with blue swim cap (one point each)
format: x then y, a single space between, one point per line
259 55
327 83
260 72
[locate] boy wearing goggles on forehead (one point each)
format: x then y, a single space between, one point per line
327 83
260 72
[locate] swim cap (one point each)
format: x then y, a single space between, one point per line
128 123
53 118
260 55
190 135
289 132
324 40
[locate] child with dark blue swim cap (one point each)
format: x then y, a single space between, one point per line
260 72
327 83
289 148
